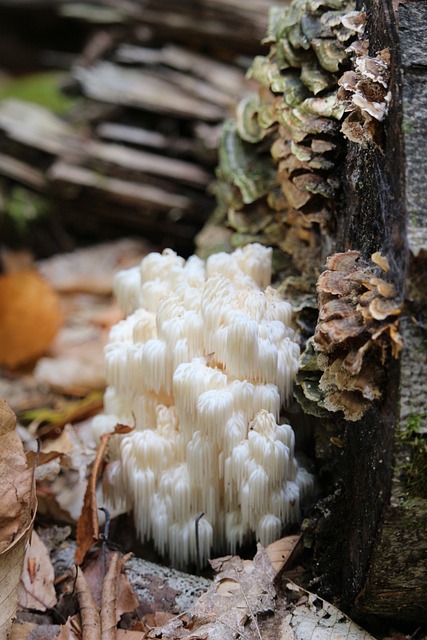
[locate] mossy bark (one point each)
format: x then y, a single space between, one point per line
371 542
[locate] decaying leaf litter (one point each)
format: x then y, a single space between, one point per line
74 439
242 597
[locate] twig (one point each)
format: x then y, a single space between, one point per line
104 537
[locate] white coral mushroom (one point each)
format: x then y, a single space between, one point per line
203 364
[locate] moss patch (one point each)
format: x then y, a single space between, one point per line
40 88
414 470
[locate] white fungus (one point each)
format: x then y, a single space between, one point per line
201 367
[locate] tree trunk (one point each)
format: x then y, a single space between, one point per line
371 543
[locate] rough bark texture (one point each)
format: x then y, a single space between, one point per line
378 559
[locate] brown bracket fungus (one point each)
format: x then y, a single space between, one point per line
279 159
365 90
202 366
357 331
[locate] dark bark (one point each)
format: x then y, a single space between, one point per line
371 547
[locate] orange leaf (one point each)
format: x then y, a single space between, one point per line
30 317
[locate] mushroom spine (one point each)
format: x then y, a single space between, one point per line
202 365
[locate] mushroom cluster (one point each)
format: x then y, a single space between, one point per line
279 158
357 331
201 366
366 91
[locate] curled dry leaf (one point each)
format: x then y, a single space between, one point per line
87 526
91 623
61 487
30 317
110 587
17 512
109 599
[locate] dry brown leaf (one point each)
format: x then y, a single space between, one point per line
124 634
218 616
126 600
158 618
30 317
91 623
21 631
17 512
71 630
109 599
36 590
88 525
316 619
65 633
62 497
282 551
76 375
92 269
41 458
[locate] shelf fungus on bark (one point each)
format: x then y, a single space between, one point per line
365 90
356 332
202 365
279 157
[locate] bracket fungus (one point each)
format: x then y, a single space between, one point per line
357 331
279 158
365 90
202 365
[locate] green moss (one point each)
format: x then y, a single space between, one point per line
39 88
414 471
408 127
24 207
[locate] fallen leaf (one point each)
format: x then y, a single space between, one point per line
70 630
92 269
36 590
283 552
62 499
242 591
22 630
316 619
41 458
88 526
218 616
102 585
109 598
30 317
124 634
74 375
91 623
17 512
158 618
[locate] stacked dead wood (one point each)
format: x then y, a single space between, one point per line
138 151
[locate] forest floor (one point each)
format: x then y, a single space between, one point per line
81 573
